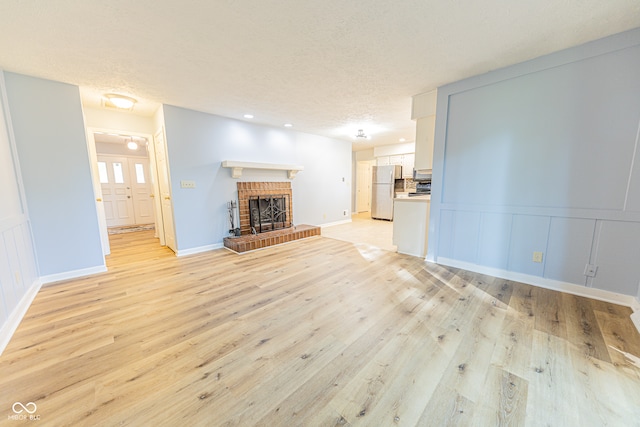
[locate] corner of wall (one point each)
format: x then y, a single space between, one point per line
635 317
8 329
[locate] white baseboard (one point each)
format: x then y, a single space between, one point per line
8 329
556 285
331 224
72 274
635 317
199 249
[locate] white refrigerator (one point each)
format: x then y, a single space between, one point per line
383 190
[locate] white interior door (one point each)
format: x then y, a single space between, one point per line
116 191
165 189
363 186
97 190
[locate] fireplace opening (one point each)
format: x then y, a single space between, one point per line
268 212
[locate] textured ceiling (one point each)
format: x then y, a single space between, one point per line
329 67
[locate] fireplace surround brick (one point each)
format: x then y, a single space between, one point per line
249 189
249 242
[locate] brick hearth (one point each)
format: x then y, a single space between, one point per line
251 242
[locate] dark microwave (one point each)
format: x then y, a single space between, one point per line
422 175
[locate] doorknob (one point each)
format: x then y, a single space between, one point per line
167 198
98 200
152 195
128 197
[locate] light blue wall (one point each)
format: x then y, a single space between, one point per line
542 156
198 143
18 270
52 150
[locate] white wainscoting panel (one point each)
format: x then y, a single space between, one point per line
18 275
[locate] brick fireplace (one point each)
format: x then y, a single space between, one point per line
248 190
254 200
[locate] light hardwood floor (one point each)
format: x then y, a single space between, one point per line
318 332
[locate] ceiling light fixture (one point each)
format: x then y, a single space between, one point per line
120 101
132 145
361 134
402 140
248 116
288 125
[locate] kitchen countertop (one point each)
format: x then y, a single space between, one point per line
402 198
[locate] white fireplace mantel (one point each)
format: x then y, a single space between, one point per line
237 167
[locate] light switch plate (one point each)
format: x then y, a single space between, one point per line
187 184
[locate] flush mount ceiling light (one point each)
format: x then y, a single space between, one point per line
402 140
288 125
248 116
132 145
119 101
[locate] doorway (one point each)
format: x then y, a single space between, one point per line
363 186
121 165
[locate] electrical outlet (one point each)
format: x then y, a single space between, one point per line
590 270
537 257
344 212
187 184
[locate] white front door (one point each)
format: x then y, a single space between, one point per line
363 186
140 184
116 191
165 189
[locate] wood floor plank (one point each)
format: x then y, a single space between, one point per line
551 395
550 312
315 332
506 405
583 329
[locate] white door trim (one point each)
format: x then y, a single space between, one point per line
97 192
164 190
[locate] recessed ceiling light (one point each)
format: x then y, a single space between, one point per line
120 101
248 116
288 125
402 140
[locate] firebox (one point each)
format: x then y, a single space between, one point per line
268 212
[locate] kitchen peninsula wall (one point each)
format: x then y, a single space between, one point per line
542 157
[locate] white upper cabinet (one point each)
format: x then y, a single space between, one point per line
407 165
423 111
382 161
425 129
404 160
